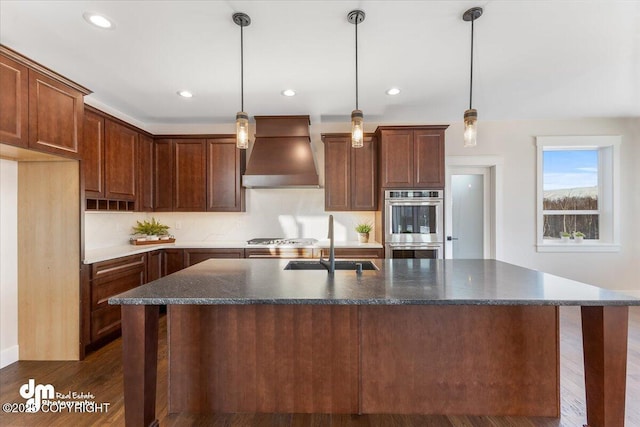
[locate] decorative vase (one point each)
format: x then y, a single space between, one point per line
153 237
363 237
578 239
564 239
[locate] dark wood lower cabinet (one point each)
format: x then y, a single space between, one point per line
109 278
195 256
279 253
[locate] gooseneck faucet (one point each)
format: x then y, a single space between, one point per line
330 264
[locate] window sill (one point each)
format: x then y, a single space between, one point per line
577 247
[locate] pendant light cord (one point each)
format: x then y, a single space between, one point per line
357 62
241 68
471 79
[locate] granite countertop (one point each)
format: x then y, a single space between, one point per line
398 281
104 254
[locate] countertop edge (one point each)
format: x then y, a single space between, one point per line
293 301
105 254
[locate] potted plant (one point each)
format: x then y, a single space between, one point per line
578 236
151 229
564 237
363 229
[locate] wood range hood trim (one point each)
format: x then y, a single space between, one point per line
281 156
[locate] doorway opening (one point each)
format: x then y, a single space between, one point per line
473 207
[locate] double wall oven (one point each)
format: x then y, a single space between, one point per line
414 223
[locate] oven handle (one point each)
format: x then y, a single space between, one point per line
414 203
416 247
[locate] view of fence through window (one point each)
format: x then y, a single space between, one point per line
570 192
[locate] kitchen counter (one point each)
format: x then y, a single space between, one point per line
473 336
104 254
435 282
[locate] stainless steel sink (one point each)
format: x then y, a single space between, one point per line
340 265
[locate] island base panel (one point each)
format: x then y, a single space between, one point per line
140 362
263 358
604 334
473 360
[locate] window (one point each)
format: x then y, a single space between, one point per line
577 193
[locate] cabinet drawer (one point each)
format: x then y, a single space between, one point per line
106 287
112 266
279 253
105 321
194 256
354 253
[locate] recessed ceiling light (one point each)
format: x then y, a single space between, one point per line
393 91
185 94
288 92
98 20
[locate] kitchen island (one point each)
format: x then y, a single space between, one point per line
416 336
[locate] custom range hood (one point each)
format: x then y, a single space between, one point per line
281 154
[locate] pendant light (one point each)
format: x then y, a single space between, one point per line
471 115
357 119
242 118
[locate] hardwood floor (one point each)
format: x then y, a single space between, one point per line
101 375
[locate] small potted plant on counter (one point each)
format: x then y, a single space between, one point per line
363 230
564 237
150 231
578 236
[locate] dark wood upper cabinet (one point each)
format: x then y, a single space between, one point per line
145 174
411 156
93 154
349 173
56 114
189 175
428 146
14 103
163 175
120 153
225 166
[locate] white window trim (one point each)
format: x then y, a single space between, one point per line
608 201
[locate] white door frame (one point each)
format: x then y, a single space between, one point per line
493 200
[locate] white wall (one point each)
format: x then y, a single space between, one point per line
8 262
515 142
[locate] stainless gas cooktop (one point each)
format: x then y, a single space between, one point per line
281 241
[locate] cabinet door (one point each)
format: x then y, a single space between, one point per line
173 260
155 265
120 154
224 172
337 160
145 174
429 158
190 175
93 154
56 114
14 105
397 158
363 176
163 175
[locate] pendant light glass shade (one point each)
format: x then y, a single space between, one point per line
242 130
357 129
470 127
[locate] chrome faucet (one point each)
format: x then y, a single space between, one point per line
330 264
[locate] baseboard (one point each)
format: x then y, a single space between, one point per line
9 356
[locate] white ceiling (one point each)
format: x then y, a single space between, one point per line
533 59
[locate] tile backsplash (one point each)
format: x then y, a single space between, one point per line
291 212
